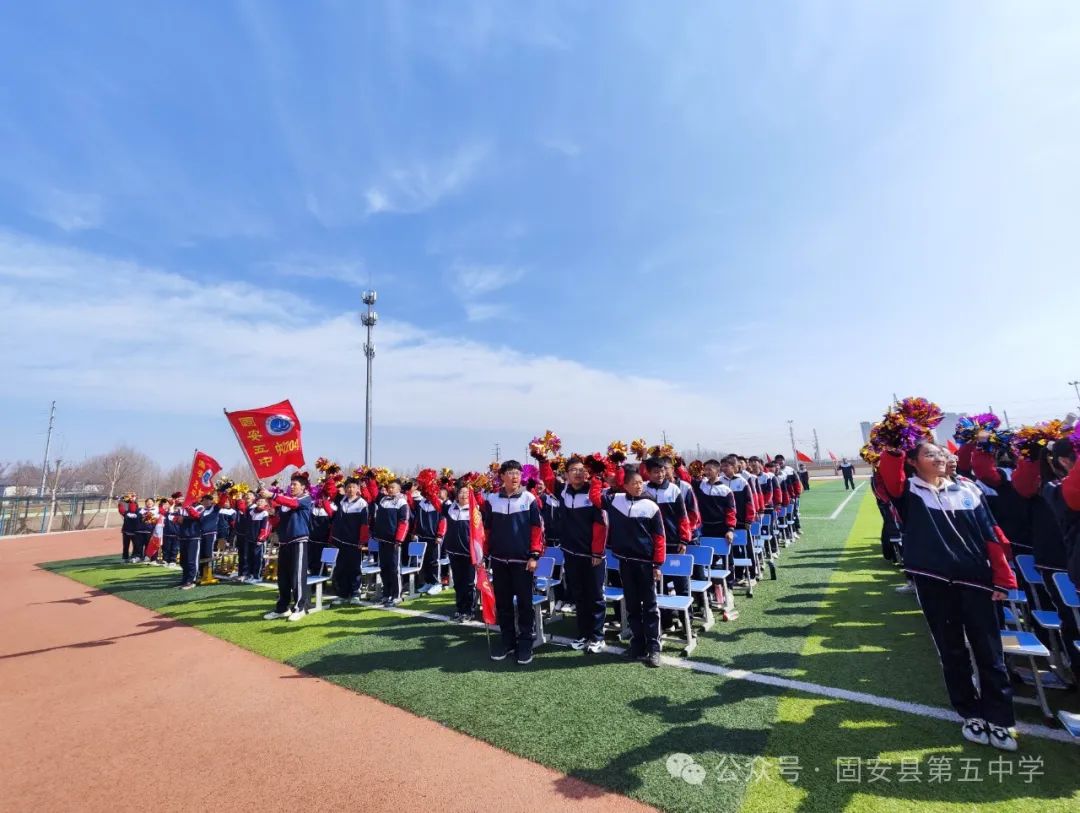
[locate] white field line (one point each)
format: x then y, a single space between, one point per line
840 507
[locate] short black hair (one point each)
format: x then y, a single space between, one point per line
509 465
712 461
653 463
754 459
740 457
731 458
666 461
631 471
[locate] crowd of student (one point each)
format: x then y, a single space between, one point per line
957 517
585 505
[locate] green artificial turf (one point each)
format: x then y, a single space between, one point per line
831 617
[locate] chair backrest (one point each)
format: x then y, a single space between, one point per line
703 555
612 562
416 551
373 546
718 544
740 537
328 557
677 564
755 528
1026 563
556 554
545 566
1066 589
766 521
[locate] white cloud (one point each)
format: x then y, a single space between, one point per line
312 266
477 280
564 146
88 328
71 211
418 185
482 312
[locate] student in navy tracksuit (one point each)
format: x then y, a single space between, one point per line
208 528
390 526
791 483
349 532
322 512
258 531
226 525
959 569
456 547
1009 487
242 534
513 542
129 510
636 537
582 534
294 527
144 529
190 537
429 527
669 497
745 506
170 540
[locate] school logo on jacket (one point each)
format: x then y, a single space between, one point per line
278 425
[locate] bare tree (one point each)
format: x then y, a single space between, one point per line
120 468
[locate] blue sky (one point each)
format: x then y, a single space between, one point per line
609 220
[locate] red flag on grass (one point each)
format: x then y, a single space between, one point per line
203 471
476 547
269 436
803 458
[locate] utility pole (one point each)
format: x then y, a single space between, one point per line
791 434
1076 386
48 442
368 320
663 435
498 450
1005 412
817 449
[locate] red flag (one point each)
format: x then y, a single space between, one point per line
952 446
832 457
803 458
476 547
269 436
203 471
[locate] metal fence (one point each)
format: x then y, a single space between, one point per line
71 512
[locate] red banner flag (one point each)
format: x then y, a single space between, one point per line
476 547
952 446
269 436
203 471
832 457
803 458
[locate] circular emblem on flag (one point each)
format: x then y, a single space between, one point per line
207 479
278 425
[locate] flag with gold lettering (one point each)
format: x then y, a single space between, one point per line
269 436
476 547
201 481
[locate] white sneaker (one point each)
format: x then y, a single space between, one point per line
135 560
1003 738
595 647
579 644
296 616
356 601
270 616
976 731
906 589
434 590
424 589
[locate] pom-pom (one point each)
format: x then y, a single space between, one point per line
224 485
616 451
596 464
870 454
558 464
896 431
427 481
1029 441
921 411
969 428
639 448
447 473
697 468
547 443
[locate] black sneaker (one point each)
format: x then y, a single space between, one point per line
631 654
498 651
524 653
652 660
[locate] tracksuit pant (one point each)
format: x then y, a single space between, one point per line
170 547
128 540
429 568
189 559
951 611
795 516
849 479
390 568
243 549
254 559
464 574
141 540
293 588
585 588
206 548
639 591
513 580
347 570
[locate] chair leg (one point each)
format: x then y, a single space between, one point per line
1039 691
318 597
691 641
709 618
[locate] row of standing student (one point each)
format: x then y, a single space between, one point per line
959 535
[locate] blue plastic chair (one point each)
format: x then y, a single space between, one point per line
326 563
703 558
616 595
678 565
545 566
415 554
